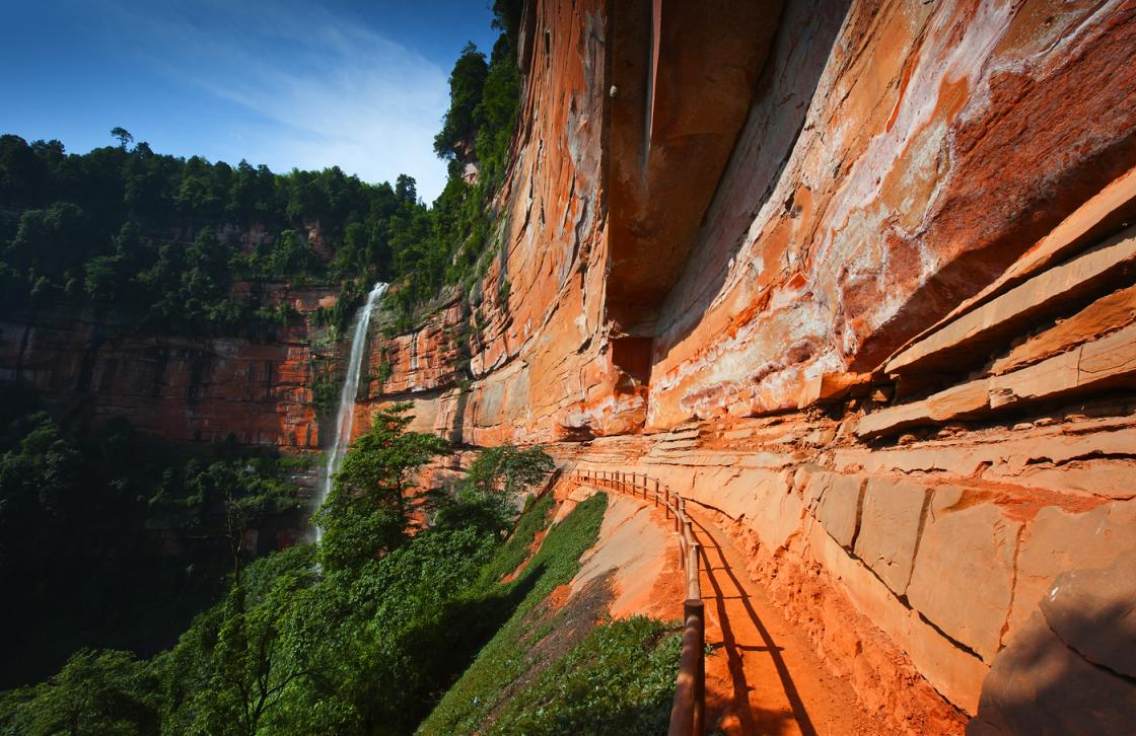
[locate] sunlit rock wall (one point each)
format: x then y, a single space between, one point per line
896 352
897 159
535 365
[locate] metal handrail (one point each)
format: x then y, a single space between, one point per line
688 711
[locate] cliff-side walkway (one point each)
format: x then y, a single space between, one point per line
762 678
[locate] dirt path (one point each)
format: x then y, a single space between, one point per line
764 678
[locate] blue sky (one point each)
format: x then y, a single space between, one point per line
361 85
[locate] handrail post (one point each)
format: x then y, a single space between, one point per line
698 716
693 584
689 705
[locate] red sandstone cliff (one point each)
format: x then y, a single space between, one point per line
182 389
856 276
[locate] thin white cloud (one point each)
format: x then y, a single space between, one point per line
324 90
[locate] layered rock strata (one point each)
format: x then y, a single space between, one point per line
881 321
182 389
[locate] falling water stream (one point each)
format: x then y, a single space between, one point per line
345 414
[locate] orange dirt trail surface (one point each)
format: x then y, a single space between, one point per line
763 677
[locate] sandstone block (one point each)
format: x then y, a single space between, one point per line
957 402
1057 540
963 576
777 512
1108 313
889 529
1109 361
839 508
809 482
829 387
1012 309
1041 380
955 673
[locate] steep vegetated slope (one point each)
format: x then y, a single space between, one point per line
548 670
117 539
364 634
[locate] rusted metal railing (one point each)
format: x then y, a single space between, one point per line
689 707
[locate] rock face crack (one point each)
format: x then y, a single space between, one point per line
1130 679
1013 583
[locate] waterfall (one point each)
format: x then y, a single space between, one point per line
345 414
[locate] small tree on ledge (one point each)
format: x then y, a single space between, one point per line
366 513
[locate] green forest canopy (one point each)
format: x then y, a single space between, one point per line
157 238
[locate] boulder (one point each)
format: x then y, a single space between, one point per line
1070 670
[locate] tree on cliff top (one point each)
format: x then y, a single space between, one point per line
459 126
123 136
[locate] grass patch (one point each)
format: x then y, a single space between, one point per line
516 549
618 681
466 707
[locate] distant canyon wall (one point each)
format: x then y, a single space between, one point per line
859 277
183 389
